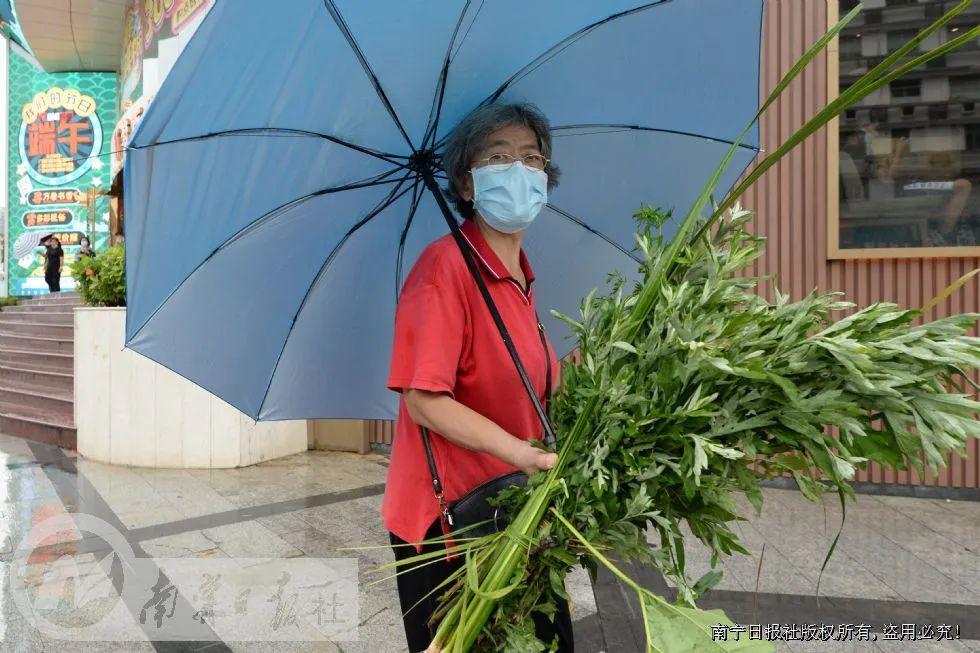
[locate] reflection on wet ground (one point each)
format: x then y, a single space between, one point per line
900 560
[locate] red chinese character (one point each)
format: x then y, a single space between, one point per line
73 140
41 138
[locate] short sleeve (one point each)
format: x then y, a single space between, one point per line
430 332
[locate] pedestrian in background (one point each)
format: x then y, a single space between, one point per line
84 248
54 261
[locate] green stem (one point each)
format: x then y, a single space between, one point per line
596 554
525 523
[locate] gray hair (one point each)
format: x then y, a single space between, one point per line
469 137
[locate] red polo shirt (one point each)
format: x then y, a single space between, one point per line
446 341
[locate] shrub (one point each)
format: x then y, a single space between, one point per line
101 280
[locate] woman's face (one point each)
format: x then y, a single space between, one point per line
515 140
55 243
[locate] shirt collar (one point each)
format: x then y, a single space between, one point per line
486 255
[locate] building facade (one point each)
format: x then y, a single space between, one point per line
800 203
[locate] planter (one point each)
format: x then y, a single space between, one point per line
132 411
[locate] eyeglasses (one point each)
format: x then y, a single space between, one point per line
533 161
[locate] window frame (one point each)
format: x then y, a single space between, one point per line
832 136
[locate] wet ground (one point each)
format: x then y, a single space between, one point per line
903 565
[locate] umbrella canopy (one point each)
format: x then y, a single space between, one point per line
27 242
276 187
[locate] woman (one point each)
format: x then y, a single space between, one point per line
449 362
84 248
54 261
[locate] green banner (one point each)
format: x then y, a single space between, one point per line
60 126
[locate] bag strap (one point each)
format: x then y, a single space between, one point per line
547 358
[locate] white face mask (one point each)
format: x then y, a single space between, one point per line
509 196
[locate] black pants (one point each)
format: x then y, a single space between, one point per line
53 277
419 581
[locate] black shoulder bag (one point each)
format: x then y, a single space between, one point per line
472 512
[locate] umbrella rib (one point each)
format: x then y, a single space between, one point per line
390 199
436 111
377 180
375 82
562 45
556 49
468 30
582 223
416 197
281 132
611 127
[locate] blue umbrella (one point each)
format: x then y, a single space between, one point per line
283 181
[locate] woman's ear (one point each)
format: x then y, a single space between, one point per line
466 187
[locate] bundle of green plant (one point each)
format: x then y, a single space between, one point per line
719 389
688 378
9 301
101 280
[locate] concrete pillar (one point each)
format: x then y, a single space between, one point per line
338 435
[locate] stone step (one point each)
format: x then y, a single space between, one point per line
46 381
39 317
23 422
37 343
55 297
37 401
19 328
36 367
54 305
39 308
37 360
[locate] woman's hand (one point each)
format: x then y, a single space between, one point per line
530 459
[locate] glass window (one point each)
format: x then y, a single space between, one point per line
973 139
964 87
896 38
906 88
910 153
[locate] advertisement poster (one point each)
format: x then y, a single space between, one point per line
59 126
147 23
154 34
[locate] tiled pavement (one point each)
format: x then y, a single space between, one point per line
899 560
